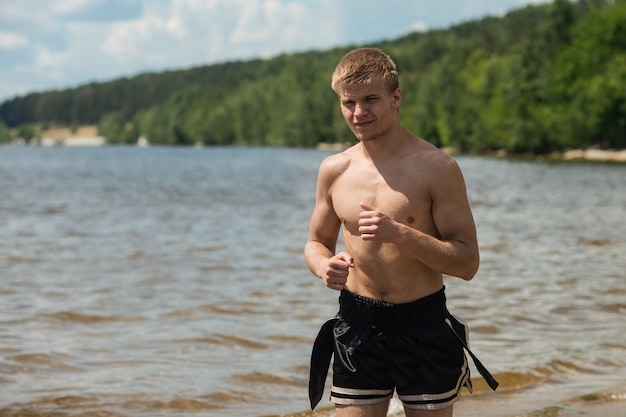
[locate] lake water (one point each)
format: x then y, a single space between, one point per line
156 281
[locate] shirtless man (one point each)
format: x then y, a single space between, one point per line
406 221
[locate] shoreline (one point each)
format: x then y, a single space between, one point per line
574 155
592 405
87 136
608 403
592 409
594 155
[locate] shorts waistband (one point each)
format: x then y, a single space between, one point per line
427 311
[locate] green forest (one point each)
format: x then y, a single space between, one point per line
539 79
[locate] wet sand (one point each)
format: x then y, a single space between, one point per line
591 409
610 404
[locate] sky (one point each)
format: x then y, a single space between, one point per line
46 45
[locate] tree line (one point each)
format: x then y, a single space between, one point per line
541 78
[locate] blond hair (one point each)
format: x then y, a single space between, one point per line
364 65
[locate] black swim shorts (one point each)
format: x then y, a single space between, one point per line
410 348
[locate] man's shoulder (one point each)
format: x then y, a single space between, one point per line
431 154
339 162
428 161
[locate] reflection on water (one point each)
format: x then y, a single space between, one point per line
166 281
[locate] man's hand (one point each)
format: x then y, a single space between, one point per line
374 225
335 274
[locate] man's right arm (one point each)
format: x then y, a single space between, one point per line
319 251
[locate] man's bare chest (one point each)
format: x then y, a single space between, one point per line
405 200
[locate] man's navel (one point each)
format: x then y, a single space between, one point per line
410 220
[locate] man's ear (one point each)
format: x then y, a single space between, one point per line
397 97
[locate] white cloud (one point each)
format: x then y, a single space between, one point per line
129 41
9 40
270 27
194 31
62 7
419 27
50 64
154 39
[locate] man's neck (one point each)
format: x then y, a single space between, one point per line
388 145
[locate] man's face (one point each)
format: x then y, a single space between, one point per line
369 110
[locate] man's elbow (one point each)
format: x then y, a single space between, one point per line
471 268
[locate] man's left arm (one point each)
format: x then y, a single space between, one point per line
455 251
455 223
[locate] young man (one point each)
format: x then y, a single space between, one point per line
406 221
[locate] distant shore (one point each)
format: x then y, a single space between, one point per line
590 155
88 136
599 155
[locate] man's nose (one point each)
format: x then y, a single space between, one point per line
360 109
